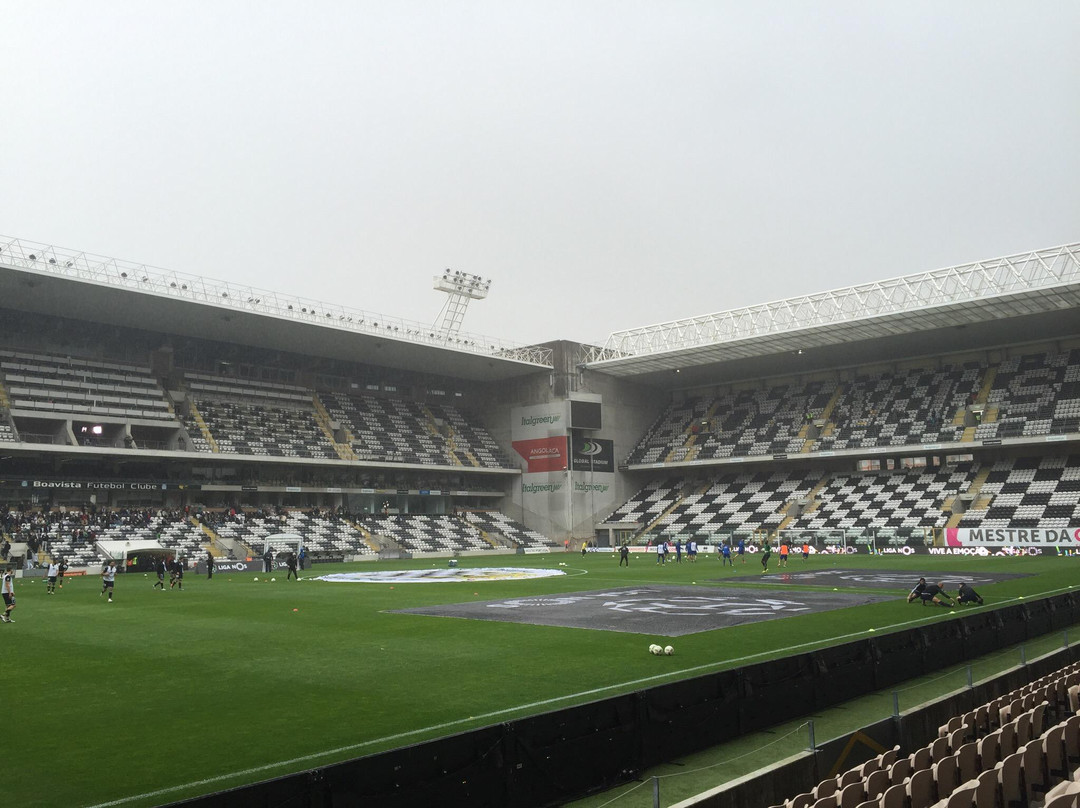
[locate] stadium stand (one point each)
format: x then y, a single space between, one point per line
254 418
1028 492
1034 394
1020 749
732 502
403 431
1031 395
502 525
738 424
466 441
898 499
902 409
81 387
417 533
329 534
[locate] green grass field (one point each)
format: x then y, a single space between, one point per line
162 696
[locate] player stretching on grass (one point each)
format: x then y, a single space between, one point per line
917 590
965 594
936 594
8 590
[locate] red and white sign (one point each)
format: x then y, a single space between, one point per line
1011 536
543 454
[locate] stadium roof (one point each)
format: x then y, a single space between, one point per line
51 280
1019 298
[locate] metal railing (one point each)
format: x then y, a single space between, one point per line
145 279
1015 274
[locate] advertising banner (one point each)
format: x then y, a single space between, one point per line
1012 536
538 435
230 565
542 454
592 454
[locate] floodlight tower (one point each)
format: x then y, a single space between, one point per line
460 287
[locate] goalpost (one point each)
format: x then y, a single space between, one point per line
283 543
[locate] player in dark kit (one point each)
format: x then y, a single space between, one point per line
209 565
917 590
159 568
177 575
290 562
936 594
766 551
965 594
624 555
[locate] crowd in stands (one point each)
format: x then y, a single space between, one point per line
72 533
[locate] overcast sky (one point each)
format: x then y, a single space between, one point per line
607 164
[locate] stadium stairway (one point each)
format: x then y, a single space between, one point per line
689 449
322 418
990 413
812 496
977 503
826 415
203 428
452 450
369 537
679 501
215 541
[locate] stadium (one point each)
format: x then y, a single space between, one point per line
925 425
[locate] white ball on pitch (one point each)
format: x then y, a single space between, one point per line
655 649
669 650
272 580
256 579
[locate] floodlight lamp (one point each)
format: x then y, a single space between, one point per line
224 294
122 274
52 260
33 257
172 285
183 286
69 264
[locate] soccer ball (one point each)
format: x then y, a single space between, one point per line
256 579
669 650
272 580
655 649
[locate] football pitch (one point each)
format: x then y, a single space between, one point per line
161 696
